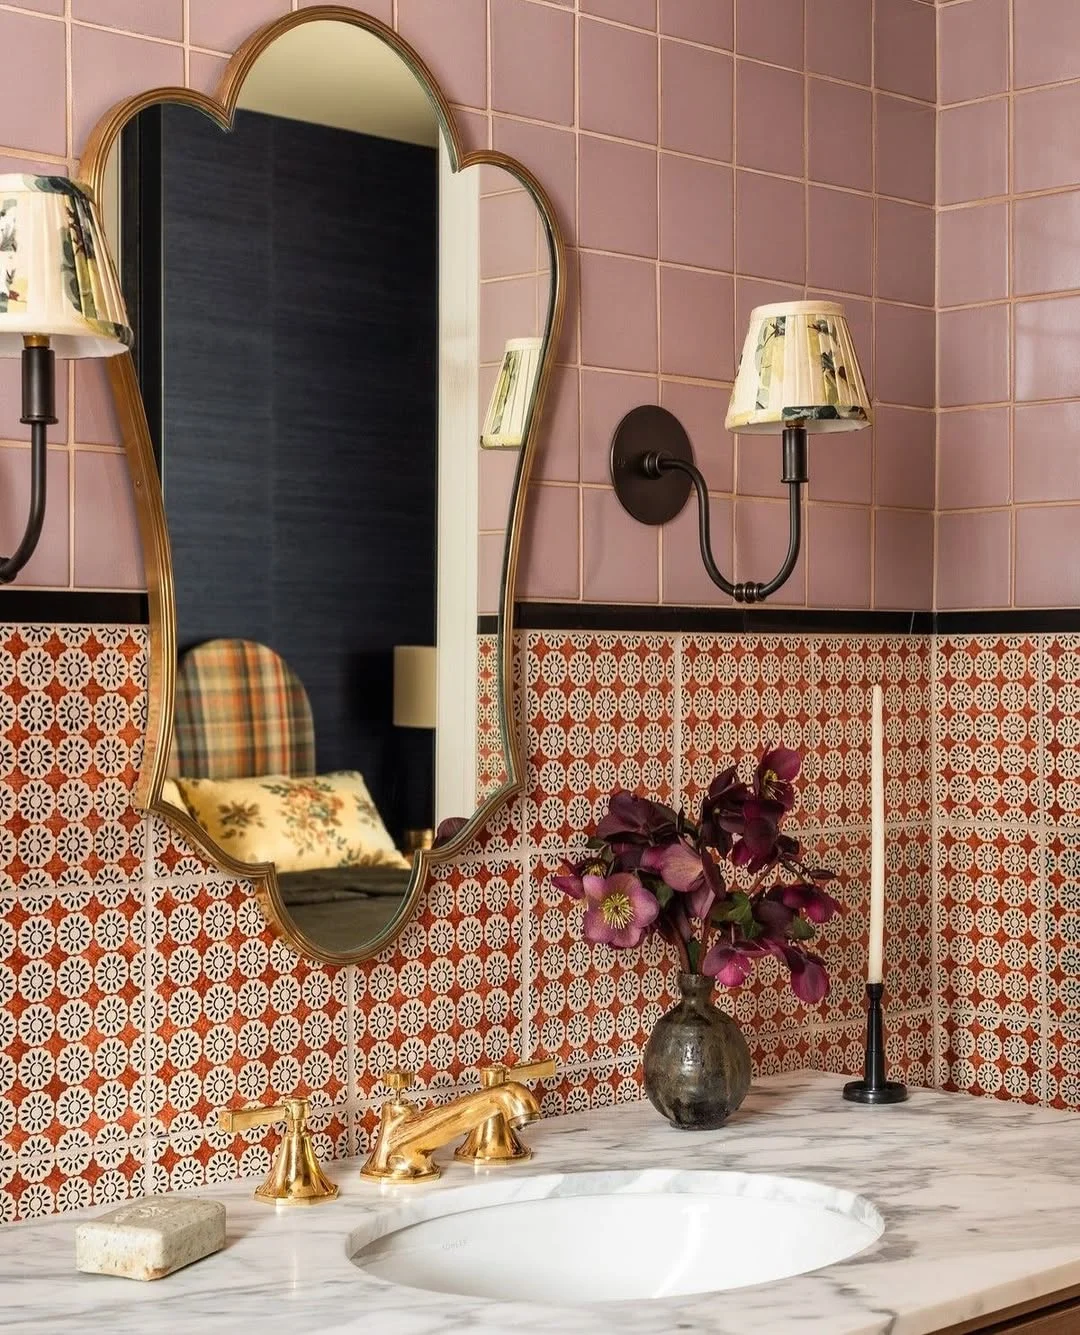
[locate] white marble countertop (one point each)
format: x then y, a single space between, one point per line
981 1201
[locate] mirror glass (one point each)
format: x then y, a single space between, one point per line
337 345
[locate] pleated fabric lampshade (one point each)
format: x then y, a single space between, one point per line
798 365
56 280
512 398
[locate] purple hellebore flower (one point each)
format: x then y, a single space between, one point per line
722 810
775 775
691 874
757 849
620 910
809 981
731 965
818 906
569 880
762 844
632 819
774 917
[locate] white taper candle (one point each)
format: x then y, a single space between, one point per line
877 839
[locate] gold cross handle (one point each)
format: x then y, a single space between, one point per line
295 1175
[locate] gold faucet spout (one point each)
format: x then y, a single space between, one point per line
407 1137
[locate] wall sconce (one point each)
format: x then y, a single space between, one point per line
799 372
58 293
511 399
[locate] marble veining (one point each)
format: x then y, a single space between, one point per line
981 1202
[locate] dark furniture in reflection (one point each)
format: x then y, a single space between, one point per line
241 712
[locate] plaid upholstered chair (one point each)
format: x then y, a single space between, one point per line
241 712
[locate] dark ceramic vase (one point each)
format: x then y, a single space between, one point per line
697 1064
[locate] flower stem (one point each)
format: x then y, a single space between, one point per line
684 954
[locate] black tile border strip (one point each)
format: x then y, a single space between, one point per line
703 620
81 607
1028 621
778 620
71 607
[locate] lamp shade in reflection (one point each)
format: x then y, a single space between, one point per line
415 686
798 365
56 279
511 399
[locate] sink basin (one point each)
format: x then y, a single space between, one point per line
606 1237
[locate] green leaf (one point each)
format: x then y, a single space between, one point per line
693 951
801 930
737 909
664 894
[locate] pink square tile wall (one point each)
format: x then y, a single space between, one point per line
974 43
1009 253
840 156
627 113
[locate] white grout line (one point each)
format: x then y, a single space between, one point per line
142 1075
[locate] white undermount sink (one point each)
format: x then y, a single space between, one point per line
576 1238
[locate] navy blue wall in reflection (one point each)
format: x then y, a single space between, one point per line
299 416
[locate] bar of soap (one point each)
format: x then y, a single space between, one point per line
150 1238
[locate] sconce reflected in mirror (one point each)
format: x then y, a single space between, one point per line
58 293
511 399
799 372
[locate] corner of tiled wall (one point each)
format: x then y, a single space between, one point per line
1009 202
702 173
662 715
1005 706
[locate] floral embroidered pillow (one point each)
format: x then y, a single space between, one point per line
298 824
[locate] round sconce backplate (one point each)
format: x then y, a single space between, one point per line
645 433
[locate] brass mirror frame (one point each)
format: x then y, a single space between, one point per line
150 507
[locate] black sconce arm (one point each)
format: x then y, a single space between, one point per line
747 591
11 565
646 484
38 388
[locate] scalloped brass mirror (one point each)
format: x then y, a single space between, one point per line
322 296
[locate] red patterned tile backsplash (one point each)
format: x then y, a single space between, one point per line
1005 874
140 990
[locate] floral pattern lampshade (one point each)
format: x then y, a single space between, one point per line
798 365
56 278
512 398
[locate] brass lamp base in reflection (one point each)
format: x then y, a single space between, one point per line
414 840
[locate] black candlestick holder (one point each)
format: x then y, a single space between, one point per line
873 1087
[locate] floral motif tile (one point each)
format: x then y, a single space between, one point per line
991 932
743 694
443 999
598 717
1061 729
131 1011
72 931
236 1018
590 1004
491 768
1063 968
72 718
990 703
